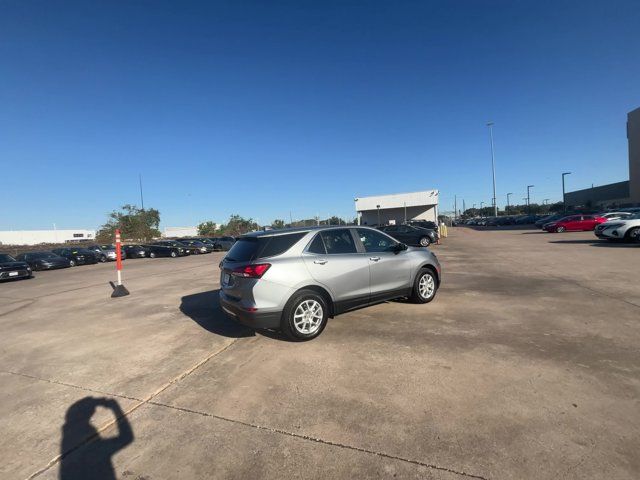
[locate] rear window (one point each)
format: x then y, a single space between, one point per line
246 249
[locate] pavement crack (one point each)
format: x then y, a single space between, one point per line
322 441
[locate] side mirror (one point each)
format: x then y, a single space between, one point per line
399 247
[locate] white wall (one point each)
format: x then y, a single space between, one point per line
370 217
35 237
180 232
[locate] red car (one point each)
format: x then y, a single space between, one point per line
576 223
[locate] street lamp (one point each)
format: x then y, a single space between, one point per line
378 207
481 206
564 201
508 202
493 170
529 187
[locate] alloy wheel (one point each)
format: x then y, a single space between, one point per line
426 286
308 316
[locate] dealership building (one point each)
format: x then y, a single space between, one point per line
36 237
619 194
397 208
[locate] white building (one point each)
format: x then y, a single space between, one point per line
36 237
398 208
180 232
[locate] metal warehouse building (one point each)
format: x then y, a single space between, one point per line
398 208
36 237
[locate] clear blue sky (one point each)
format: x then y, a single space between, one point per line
261 108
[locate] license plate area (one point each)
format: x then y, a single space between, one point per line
13 274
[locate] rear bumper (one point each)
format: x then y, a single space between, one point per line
250 319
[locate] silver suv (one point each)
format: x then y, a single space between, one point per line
295 279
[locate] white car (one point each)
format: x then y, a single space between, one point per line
620 229
616 215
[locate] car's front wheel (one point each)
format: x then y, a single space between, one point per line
174 254
102 259
425 286
72 263
425 241
560 229
305 316
633 235
152 254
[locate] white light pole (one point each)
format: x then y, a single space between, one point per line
493 170
564 200
508 194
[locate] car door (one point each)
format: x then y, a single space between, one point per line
389 269
588 222
573 222
333 260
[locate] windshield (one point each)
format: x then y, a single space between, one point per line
6 258
108 247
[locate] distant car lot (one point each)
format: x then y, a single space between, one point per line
525 366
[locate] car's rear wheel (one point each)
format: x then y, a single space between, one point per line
425 286
633 234
305 316
102 259
425 241
72 263
152 254
560 229
174 254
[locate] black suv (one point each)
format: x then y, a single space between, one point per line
77 256
411 235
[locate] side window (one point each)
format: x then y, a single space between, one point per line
317 246
403 229
375 241
338 241
280 243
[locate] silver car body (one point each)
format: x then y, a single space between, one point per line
347 280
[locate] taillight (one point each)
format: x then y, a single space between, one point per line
251 271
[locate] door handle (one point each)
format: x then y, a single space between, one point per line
374 259
320 262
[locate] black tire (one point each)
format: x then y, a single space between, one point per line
152 254
560 229
633 234
425 242
102 259
296 302
173 254
426 294
72 263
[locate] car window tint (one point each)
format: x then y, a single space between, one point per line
243 250
375 241
338 241
317 246
403 229
279 244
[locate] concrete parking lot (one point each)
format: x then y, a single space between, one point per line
527 365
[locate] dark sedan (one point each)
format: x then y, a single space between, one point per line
44 260
200 245
157 250
414 236
184 249
11 269
77 256
136 251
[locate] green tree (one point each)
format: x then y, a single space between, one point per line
207 229
277 223
238 225
134 224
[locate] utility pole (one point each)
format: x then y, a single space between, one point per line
508 202
455 208
141 197
464 206
564 200
493 170
529 187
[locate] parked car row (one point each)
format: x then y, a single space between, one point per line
23 265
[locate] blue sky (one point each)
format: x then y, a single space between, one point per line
262 108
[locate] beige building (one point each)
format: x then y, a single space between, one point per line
397 208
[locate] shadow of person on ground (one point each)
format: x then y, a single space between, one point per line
204 309
85 453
